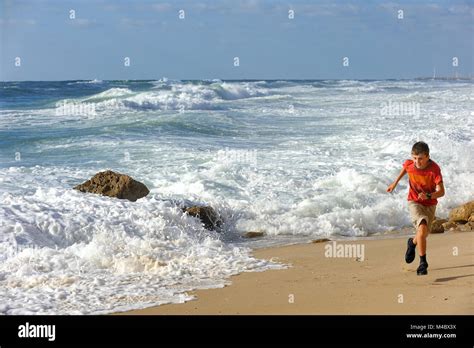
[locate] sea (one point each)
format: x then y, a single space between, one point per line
295 159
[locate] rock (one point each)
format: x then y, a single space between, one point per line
253 234
207 214
448 225
471 218
466 227
437 225
462 213
114 184
322 240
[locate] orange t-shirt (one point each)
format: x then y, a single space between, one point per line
422 180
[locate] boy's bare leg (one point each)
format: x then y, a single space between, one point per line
420 238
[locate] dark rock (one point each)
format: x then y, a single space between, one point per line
207 214
322 240
437 225
114 184
253 234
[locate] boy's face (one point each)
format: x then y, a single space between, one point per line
421 160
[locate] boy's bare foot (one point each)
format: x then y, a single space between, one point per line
410 254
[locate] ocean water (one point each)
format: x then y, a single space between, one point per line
298 160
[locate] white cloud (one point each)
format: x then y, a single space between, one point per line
321 9
461 10
164 7
83 22
12 21
133 22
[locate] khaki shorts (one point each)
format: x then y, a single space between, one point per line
419 212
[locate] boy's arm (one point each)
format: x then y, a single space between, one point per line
439 191
394 184
434 195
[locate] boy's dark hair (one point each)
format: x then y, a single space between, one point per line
420 147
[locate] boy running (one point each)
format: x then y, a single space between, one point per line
426 186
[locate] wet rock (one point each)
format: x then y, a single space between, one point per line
206 214
253 234
112 184
322 240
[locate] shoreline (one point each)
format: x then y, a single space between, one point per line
315 283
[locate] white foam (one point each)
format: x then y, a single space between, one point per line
110 93
180 96
60 247
233 91
320 169
94 81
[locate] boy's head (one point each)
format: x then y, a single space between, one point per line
420 152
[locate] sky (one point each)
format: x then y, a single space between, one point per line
234 39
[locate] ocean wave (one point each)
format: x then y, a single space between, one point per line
110 93
231 91
178 96
86 82
74 243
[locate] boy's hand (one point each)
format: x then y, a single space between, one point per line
422 196
391 187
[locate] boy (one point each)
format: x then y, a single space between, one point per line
426 186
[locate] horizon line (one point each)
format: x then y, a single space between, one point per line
256 79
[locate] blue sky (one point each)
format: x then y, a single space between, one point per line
203 45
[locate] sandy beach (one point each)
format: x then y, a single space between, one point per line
382 283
